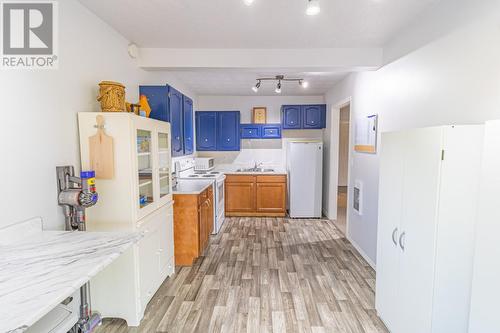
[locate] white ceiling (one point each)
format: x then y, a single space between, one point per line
238 83
265 24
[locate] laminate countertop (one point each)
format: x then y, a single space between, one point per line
191 186
40 269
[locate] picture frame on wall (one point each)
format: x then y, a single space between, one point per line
366 134
259 115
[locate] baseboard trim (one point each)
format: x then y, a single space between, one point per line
362 253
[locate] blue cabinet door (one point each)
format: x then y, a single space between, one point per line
291 117
157 97
313 116
250 131
271 131
206 124
188 125
175 107
228 134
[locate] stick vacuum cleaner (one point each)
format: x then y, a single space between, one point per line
75 194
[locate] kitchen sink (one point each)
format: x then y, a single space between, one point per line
254 170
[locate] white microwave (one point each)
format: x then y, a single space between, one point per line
204 163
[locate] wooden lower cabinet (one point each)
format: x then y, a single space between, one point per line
193 224
255 195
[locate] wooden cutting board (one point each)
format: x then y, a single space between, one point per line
101 153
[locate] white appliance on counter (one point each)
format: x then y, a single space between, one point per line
305 173
185 169
428 194
204 163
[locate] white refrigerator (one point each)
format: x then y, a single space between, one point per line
305 178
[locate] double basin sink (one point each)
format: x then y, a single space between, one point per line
254 170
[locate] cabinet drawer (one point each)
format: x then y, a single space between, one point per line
250 131
271 179
240 179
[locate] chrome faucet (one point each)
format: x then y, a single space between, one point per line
257 165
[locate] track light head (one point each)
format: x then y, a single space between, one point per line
278 87
256 87
304 84
248 2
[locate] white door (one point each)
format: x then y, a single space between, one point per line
418 229
392 164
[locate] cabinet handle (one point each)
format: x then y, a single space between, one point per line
206 140
401 240
394 236
228 140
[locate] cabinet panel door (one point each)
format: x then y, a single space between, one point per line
157 97
271 197
271 131
175 106
240 197
250 131
311 116
390 213
419 224
188 124
291 117
148 262
228 136
202 220
206 123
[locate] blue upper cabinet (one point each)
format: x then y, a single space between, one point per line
312 116
157 97
271 131
170 105
303 116
250 131
188 125
228 134
260 131
217 130
176 117
291 117
206 134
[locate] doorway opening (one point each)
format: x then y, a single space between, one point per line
343 170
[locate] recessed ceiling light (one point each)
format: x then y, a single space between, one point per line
304 84
313 7
248 2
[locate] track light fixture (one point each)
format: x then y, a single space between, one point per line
257 86
248 2
278 87
279 79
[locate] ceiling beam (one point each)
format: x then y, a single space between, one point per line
324 59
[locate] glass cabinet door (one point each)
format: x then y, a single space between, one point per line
145 167
164 163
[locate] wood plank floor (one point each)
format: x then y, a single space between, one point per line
267 275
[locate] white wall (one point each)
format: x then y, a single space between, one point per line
270 152
39 111
453 79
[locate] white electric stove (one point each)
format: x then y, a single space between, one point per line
184 169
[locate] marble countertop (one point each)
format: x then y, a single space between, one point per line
191 186
40 270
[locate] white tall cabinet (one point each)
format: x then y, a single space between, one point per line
484 316
138 198
427 204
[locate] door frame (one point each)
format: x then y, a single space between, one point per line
336 111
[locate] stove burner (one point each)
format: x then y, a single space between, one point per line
214 172
193 176
208 176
